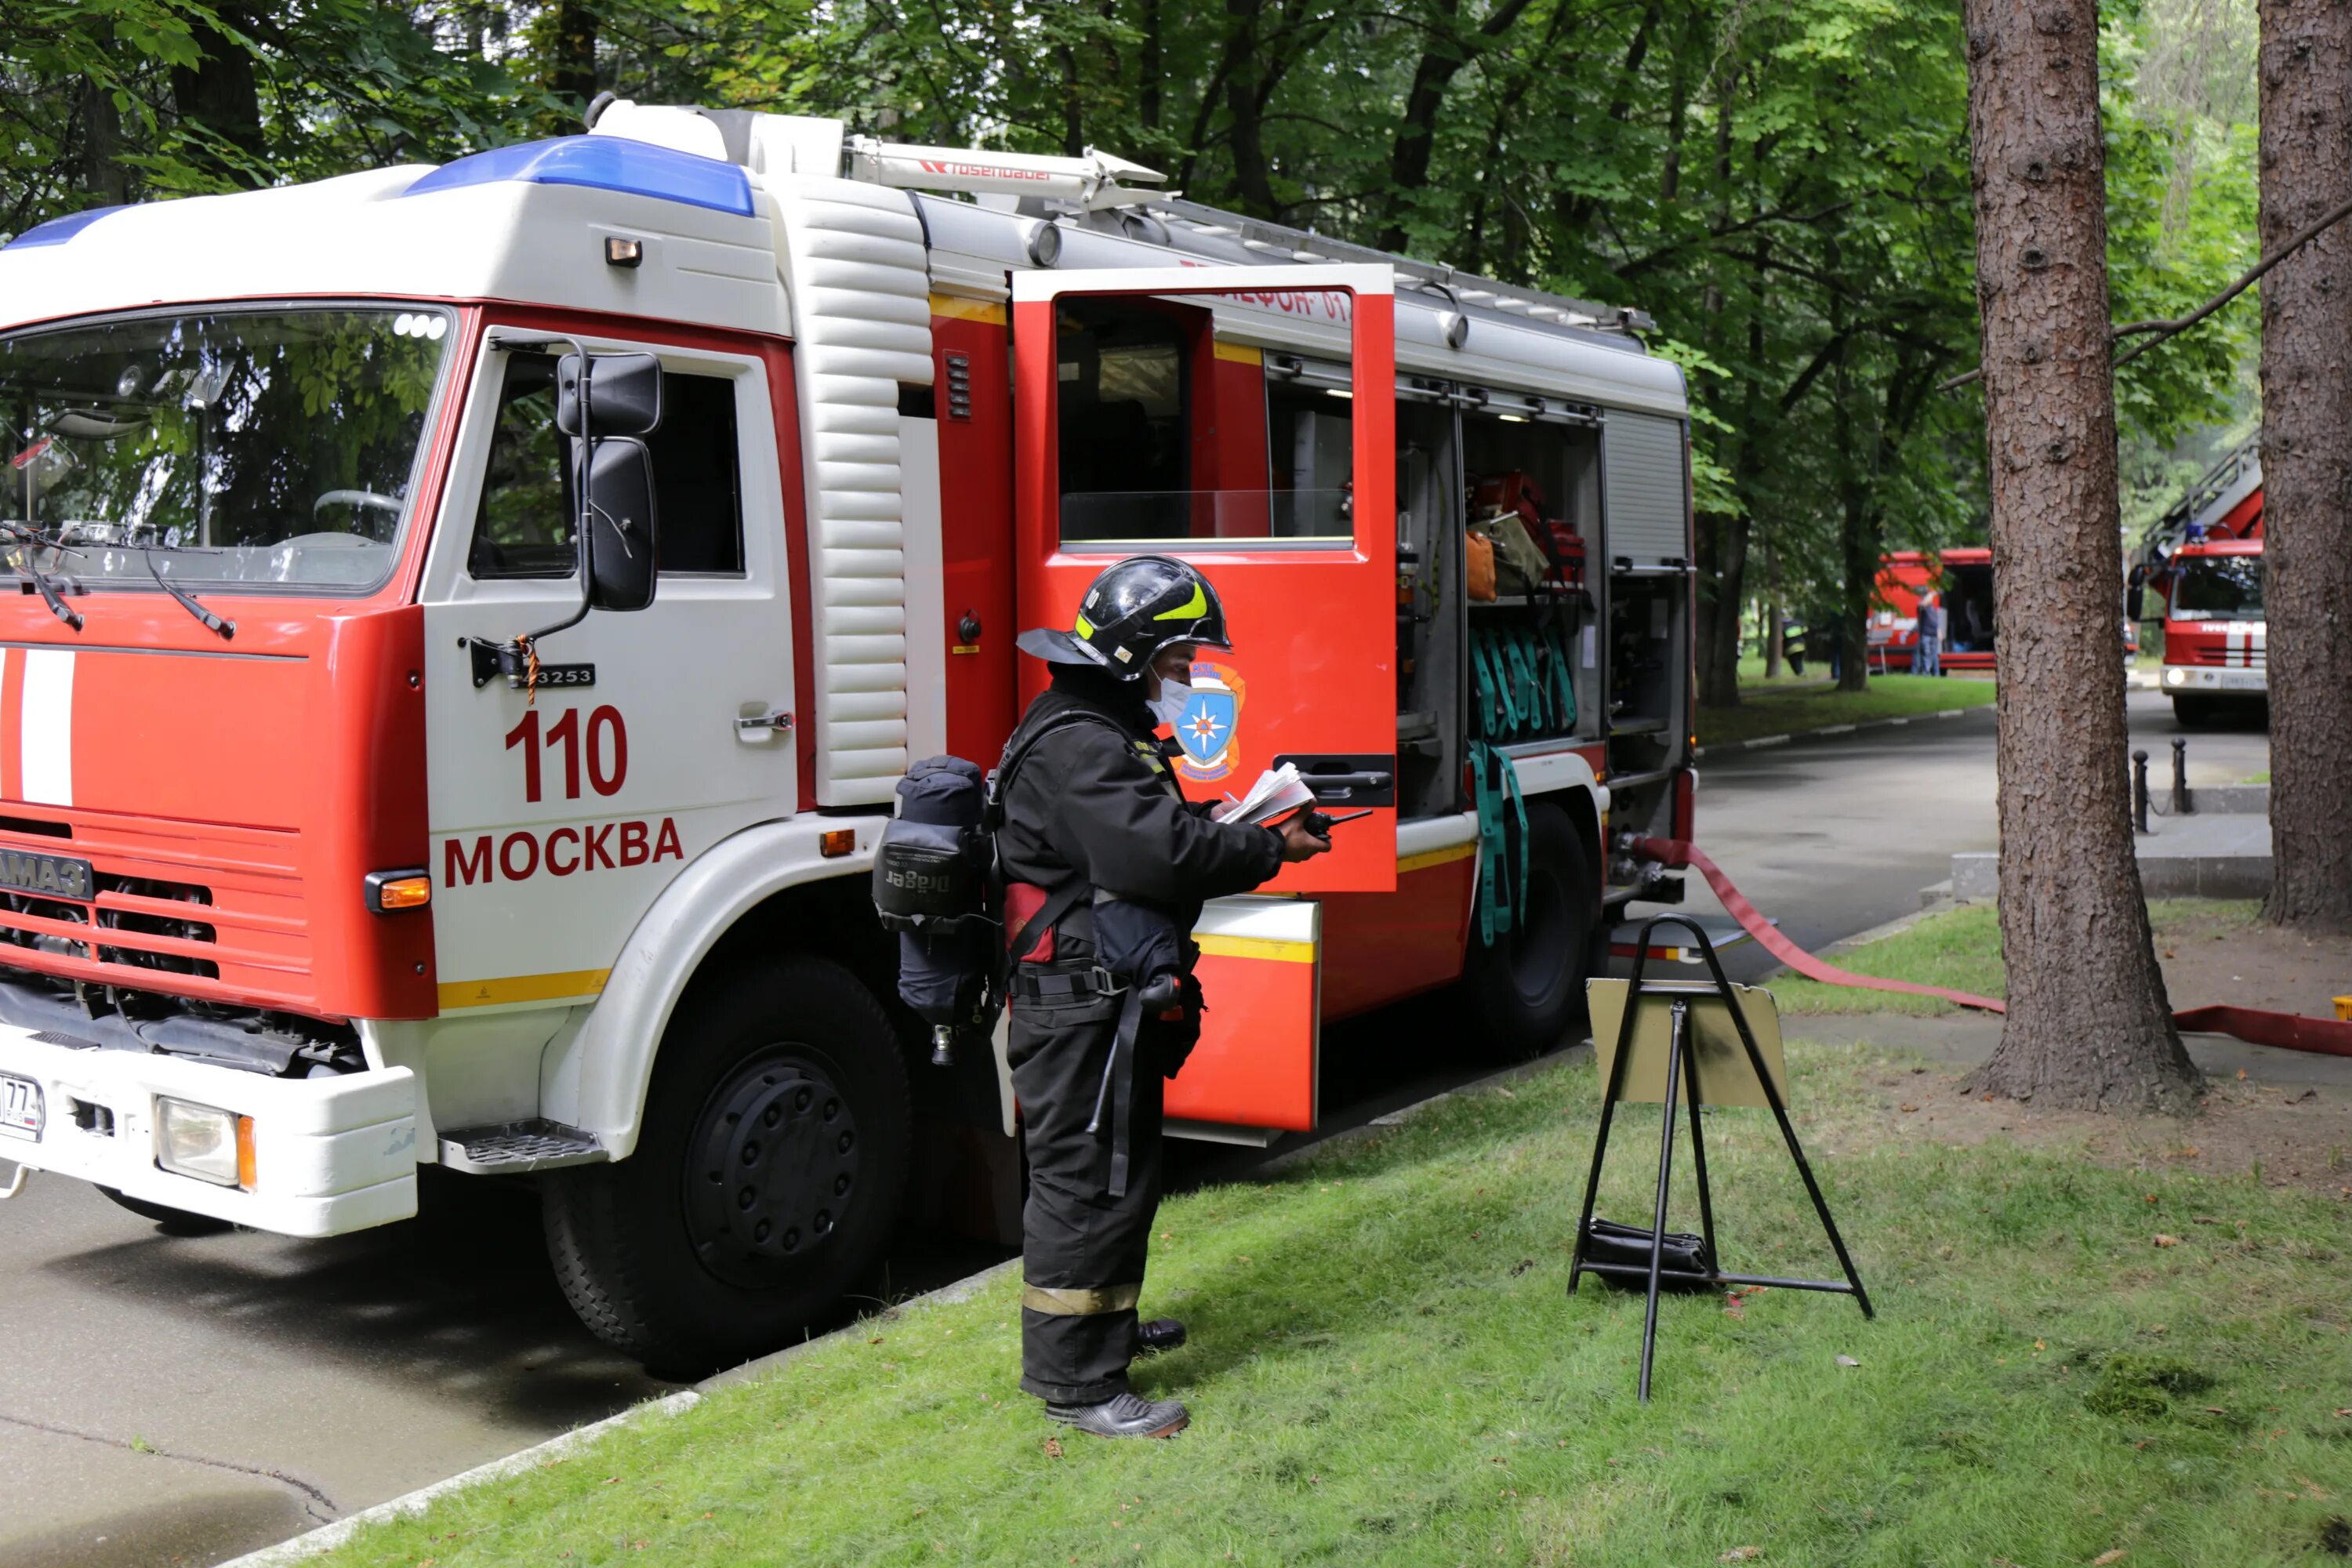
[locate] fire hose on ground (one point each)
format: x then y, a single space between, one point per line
2287 1031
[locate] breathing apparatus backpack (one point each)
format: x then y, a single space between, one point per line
939 884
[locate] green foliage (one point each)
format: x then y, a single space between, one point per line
1784 189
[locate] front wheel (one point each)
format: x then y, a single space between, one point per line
1529 986
766 1179
170 1221
2193 712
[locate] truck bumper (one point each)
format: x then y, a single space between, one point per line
330 1154
2179 678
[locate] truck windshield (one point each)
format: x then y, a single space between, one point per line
2219 588
228 448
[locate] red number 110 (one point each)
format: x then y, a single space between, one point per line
605 774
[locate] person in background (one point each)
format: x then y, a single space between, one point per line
1927 658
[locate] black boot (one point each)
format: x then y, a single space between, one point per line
1160 1334
1125 1416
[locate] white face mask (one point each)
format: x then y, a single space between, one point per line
1169 706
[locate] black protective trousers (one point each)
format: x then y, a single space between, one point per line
1082 1251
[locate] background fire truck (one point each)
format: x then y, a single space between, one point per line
311 872
2204 560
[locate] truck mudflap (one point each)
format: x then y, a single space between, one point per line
328 1155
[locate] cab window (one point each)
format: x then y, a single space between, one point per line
524 525
1122 395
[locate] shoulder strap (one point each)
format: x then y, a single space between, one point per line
1017 750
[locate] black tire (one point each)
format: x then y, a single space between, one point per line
711 1244
1528 989
170 1221
2192 712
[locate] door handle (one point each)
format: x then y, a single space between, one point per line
759 724
1358 779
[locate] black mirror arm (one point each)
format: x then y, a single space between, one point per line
516 658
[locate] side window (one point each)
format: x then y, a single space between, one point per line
698 478
523 526
1124 387
1310 455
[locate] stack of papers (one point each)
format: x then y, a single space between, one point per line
1277 793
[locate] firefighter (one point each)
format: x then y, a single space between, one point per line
1092 815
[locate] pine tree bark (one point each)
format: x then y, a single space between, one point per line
2088 1023
2305 73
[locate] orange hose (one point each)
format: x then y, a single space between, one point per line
2286 1031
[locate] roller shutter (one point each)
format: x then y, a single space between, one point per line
1642 465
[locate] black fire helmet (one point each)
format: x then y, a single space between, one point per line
1131 612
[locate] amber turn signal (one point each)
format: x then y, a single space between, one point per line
391 890
835 842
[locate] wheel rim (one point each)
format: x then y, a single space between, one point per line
773 1168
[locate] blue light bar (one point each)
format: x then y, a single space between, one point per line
602 163
58 230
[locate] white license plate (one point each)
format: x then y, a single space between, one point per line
20 1107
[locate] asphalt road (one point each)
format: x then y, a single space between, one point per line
170 1400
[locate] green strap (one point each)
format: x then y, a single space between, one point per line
1494 893
1563 679
1498 785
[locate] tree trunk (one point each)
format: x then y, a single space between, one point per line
2088 1025
220 96
571 53
1245 130
1149 69
103 174
2305 71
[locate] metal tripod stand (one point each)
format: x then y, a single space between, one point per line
1682 1077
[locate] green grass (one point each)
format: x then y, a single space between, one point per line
1385 1370
1960 951
1792 708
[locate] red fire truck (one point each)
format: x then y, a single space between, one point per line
2204 558
360 808
1963 577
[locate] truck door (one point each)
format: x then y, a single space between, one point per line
558 814
1133 434
1144 404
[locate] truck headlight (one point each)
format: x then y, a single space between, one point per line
203 1142
2176 677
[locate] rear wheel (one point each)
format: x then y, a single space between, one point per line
1527 987
170 1221
766 1179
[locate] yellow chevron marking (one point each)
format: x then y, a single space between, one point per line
458 994
1264 947
1429 858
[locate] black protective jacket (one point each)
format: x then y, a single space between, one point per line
1099 802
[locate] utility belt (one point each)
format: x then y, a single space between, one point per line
1167 1001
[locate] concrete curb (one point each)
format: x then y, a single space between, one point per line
1761 742
327 1537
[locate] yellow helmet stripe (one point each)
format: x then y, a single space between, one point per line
1191 609
1086 629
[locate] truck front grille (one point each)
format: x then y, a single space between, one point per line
197 910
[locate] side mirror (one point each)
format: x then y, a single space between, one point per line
624 395
620 530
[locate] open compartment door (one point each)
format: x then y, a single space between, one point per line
1148 419
1260 1055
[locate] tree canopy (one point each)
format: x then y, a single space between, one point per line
1784 188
